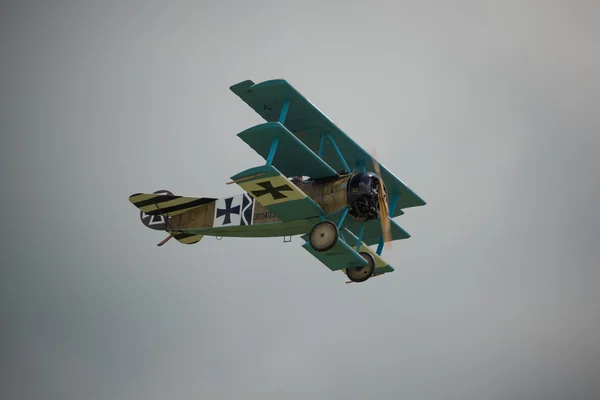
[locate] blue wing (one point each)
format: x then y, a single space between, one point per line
277 100
292 157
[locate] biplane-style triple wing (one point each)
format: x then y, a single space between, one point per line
277 101
299 140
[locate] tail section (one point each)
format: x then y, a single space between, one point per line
163 202
157 209
153 221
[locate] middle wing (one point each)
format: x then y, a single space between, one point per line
292 157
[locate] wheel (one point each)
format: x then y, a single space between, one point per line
361 274
324 236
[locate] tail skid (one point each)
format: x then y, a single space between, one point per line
182 237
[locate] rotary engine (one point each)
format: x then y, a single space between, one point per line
362 196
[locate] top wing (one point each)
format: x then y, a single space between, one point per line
277 100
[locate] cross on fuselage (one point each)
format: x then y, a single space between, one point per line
227 211
273 191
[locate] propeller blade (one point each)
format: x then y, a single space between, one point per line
384 211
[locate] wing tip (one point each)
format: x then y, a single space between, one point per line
249 85
241 86
133 196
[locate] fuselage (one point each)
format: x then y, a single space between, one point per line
242 216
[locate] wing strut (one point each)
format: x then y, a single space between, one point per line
343 217
284 110
275 142
337 150
360 236
272 151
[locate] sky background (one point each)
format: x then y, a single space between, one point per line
488 110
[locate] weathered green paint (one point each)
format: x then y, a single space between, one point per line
340 256
274 229
309 124
292 158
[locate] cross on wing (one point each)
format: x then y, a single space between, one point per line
274 191
265 180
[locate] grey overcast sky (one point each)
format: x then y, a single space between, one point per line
488 110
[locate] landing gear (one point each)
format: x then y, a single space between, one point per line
324 236
361 274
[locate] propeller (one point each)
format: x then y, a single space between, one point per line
384 211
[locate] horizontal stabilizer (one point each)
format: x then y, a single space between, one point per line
166 204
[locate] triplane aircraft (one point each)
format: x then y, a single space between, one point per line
317 182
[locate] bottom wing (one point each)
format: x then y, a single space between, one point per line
381 266
339 257
344 253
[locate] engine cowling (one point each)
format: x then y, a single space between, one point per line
362 196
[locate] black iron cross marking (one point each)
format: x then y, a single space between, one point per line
227 211
273 191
